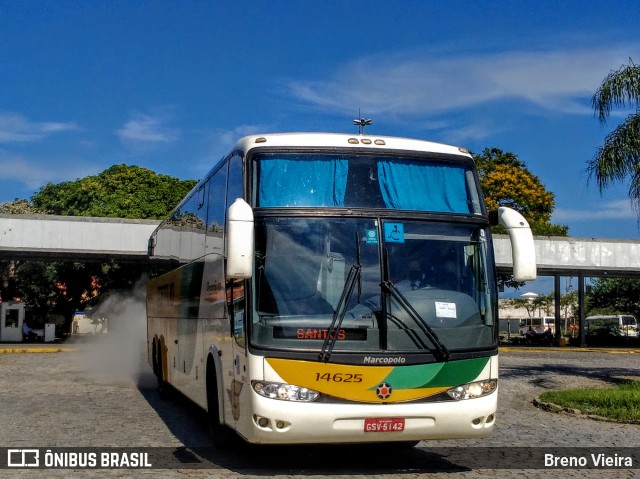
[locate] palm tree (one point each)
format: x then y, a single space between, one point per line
619 157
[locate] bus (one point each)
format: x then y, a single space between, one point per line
328 288
538 325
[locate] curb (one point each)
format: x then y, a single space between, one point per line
18 350
564 349
556 409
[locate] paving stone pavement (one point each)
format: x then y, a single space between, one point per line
88 397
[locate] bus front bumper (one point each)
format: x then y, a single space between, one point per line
284 422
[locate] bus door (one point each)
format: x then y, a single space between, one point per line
237 324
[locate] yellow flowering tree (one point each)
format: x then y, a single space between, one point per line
506 181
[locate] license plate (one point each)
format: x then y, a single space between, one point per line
384 424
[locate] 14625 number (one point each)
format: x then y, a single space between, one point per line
339 377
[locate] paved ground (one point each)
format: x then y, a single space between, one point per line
95 395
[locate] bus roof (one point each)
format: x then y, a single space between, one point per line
338 140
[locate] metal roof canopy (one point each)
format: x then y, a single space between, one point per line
581 257
74 238
567 256
56 238
77 238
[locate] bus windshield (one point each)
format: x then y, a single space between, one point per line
303 268
366 181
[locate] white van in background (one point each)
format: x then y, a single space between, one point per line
626 323
83 324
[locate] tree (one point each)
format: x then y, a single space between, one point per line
518 303
569 308
619 157
19 207
614 296
120 191
506 181
34 285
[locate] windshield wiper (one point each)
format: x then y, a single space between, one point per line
341 309
440 350
413 336
338 315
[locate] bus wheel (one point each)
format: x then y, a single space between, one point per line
223 437
162 386
154 357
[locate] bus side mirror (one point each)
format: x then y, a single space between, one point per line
240 240
523 250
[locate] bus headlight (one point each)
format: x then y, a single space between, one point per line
284 392
473 390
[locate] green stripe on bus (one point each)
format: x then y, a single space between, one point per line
437 374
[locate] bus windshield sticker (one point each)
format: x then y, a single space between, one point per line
372 236
445 310
394 232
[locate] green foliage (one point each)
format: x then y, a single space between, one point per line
519 303
603 327
619 88
120 191
621 403
614 296
619 157
35 284
506 181
542 303
19 207
569 303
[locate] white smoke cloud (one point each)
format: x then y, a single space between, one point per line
120 354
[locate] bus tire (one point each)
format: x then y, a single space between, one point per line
162 386
222 436
154 357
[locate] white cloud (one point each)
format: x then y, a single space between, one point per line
610 210
218 142
420 83
147 129
15 127
225 139
460 134
34 173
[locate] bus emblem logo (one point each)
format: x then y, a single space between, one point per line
384 390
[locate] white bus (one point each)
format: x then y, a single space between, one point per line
326 288
537 325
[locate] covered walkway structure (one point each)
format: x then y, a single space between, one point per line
57 238
580 257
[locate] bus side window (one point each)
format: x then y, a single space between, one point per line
216 210
235 188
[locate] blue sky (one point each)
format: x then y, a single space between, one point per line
171 85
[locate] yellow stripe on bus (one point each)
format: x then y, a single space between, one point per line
351 382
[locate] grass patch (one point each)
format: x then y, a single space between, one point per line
620 403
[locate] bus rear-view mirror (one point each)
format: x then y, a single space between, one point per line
240 240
